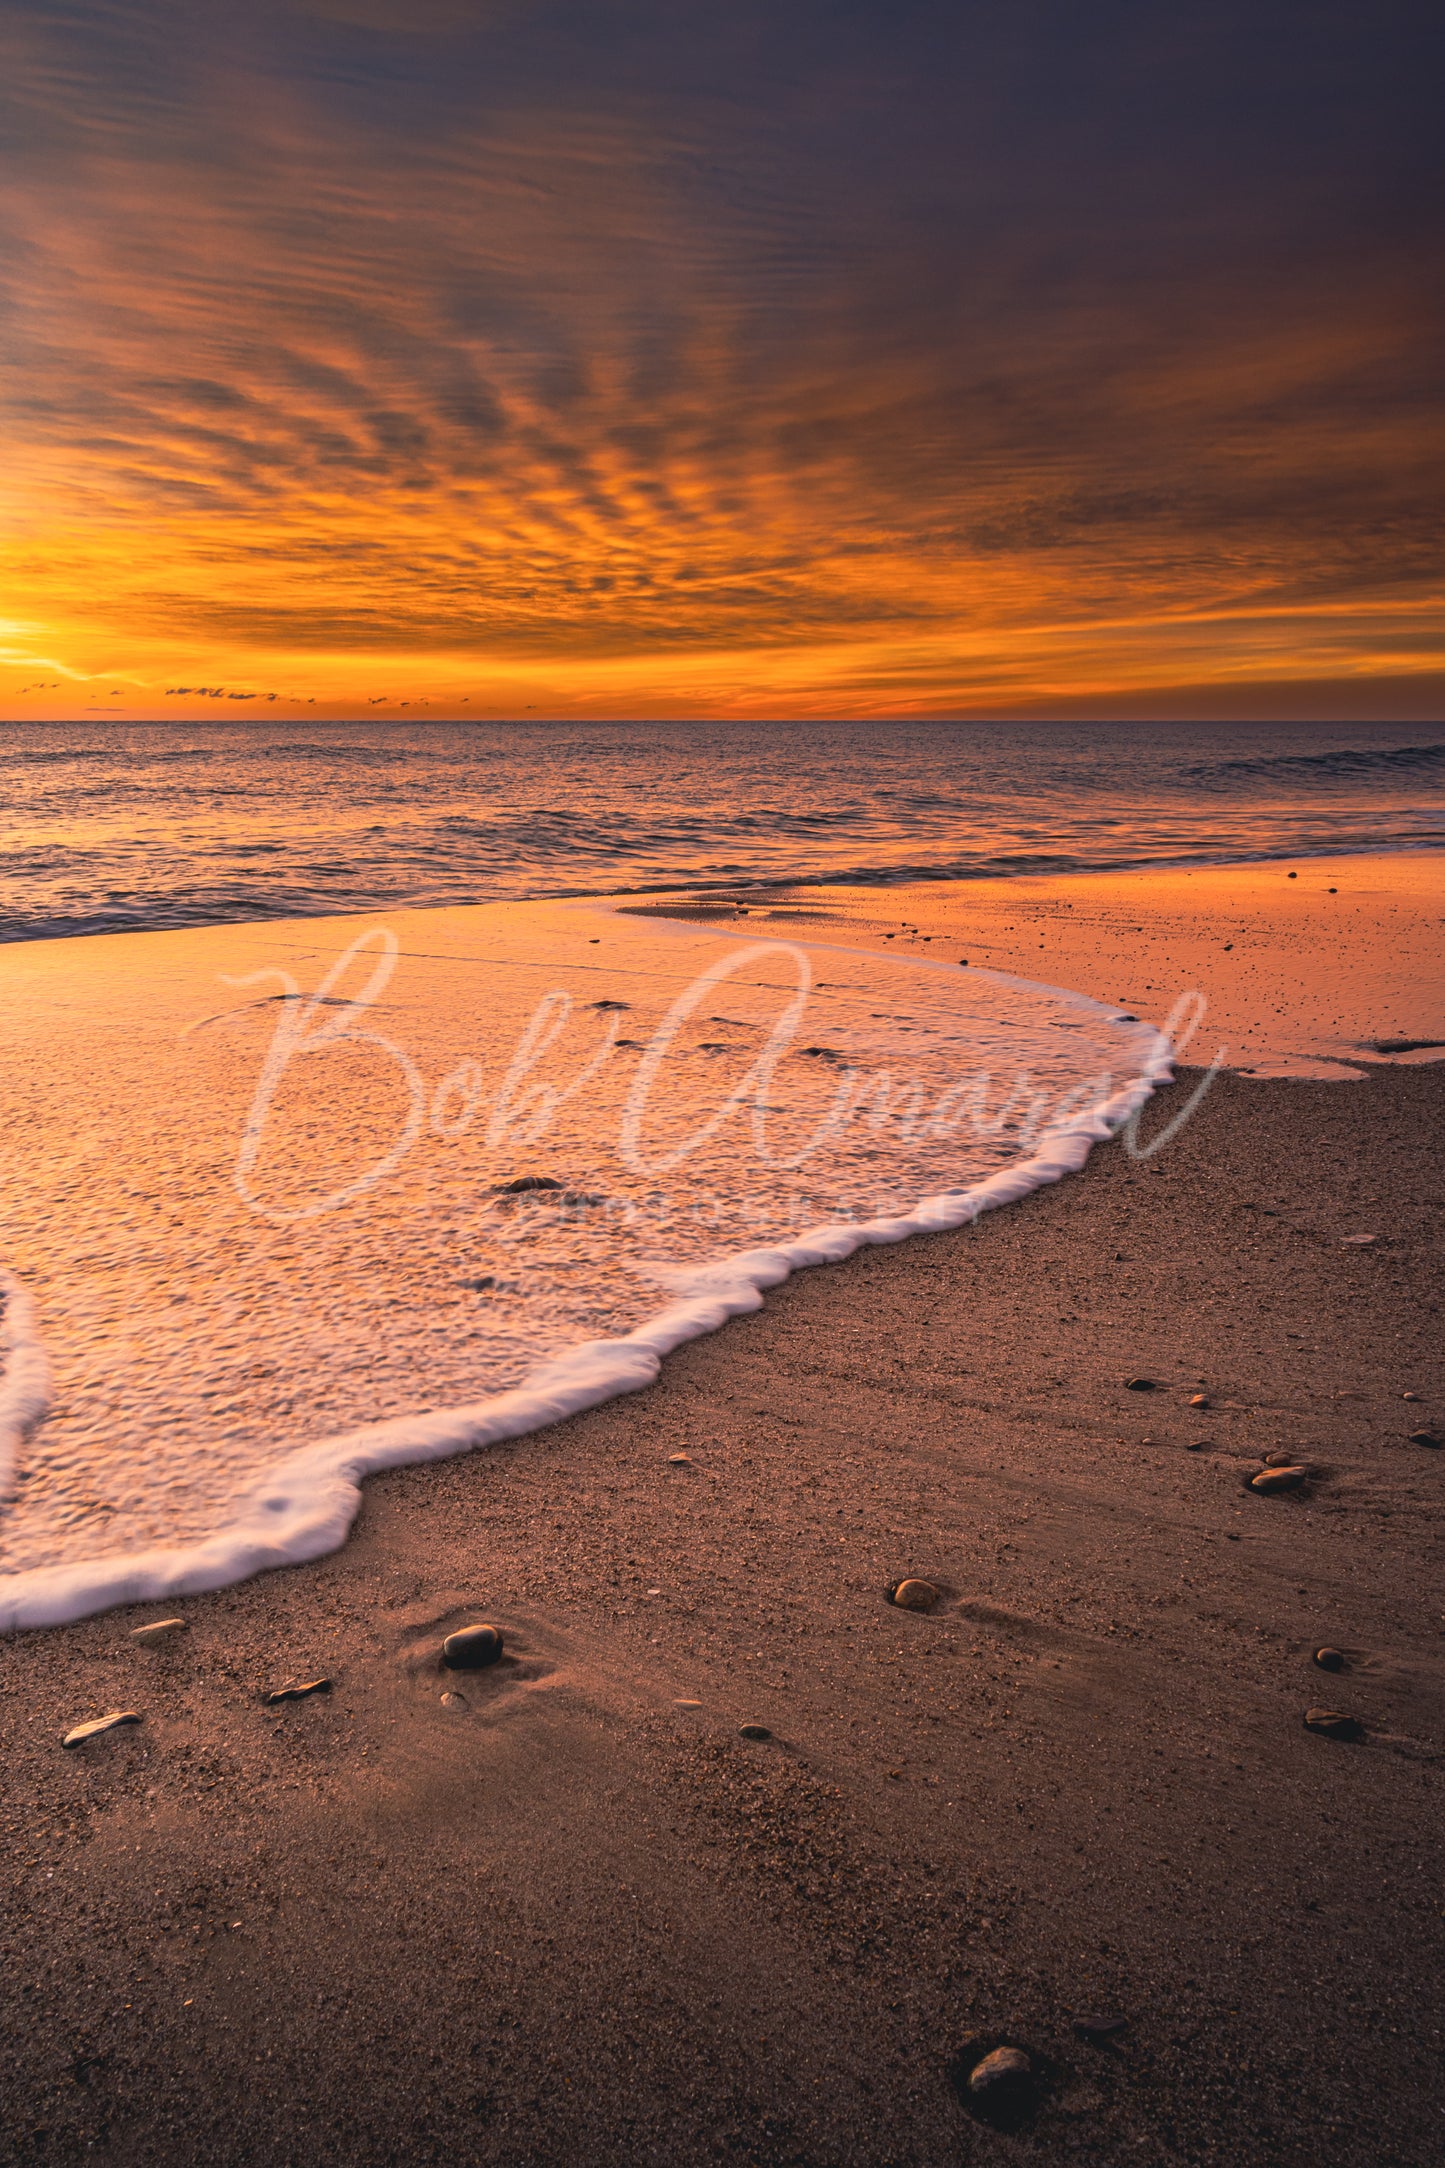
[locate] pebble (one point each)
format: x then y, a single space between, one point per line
1332 1724
298 1693
1005 2068
679 1460
1425 1437
526 1182
915 1595
1135 1385
1199 1400
754 1731
1098 2028
97 1725
472 1648
454 1701
1330 1659
1409 1396
159 1629
1200 1445
1270 1480
680 1703
1282 1460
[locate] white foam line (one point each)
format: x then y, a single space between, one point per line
25 1385
311 1499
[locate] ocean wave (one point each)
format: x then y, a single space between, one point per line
222 1436
1346 764
340 891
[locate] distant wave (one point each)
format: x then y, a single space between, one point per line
329 896
160 827
1347 765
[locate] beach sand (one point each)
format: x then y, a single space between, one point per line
1302 969
574 1915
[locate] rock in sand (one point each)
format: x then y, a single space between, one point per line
1272 1480
1333 1724
472 1648
1007 2070
754 1731
300 1692
914 1595
1330 1659
159 1630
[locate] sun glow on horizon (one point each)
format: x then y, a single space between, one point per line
649 402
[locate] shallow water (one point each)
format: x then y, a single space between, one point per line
263 1200
123 826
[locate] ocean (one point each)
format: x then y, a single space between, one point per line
120 827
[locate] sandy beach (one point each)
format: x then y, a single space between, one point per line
569 1912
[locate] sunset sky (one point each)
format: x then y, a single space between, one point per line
643 357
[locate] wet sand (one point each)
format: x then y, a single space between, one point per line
575 1916
574 1920
1303 969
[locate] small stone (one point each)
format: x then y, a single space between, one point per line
1282 1460
1199 1400
1332 1724
1095 2028
1199 1445
472 1648
1271 1480
1409 1396
97 1725
914 1595
1359 1240
159 1629
1140 1385
679 1460
680 1703
525 1183
1425 1437
1007 2069
754 1731
454 1701
298 1693
1330 1659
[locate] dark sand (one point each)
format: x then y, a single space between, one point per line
577 1922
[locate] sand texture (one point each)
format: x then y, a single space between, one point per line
572 1915
1300 976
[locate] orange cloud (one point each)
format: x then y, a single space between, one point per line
569 405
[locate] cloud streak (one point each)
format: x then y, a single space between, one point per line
639 359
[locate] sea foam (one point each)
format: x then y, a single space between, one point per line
295 1204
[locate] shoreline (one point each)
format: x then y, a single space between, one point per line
301 1506
579 1916
882 885
1012 924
